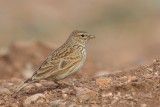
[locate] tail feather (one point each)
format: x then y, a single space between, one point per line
22 85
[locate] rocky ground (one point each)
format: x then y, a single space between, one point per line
137 87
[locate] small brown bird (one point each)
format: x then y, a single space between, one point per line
64 61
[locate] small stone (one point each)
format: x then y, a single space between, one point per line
128 97
143 105
156 74
150 69
65 96
41 101
33 98
84 94
148 76
38 84
5 98
103 81
132 79
57 103
62 103
107 95
1 102
14 105
65 91
148 95
4 91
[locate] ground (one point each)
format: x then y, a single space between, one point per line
134 87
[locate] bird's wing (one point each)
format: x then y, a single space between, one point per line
65 63
52 66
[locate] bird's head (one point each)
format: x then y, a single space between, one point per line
80 37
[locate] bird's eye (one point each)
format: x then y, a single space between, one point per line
82 35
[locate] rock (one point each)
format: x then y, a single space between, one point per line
4 91
34 98
148 95
38 84
14 105
84 94
65 96
41 101
56 103
143 105
132 79
107 95
103 81
62 103
1 102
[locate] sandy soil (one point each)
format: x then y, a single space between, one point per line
137 87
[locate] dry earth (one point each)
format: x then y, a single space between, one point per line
138 87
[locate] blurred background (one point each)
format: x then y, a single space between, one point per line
127 31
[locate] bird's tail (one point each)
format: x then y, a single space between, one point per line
22 85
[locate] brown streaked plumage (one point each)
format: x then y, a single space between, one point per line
64 61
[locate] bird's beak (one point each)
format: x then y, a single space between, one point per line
91 37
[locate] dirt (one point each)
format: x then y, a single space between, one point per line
136 87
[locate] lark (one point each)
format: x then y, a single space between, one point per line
64 61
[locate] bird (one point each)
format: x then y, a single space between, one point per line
64 61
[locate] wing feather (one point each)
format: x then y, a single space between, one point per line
53 66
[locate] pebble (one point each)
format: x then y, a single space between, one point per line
107 95
1 102
4 91
143 105
103 81
33 98
62 103
84 94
